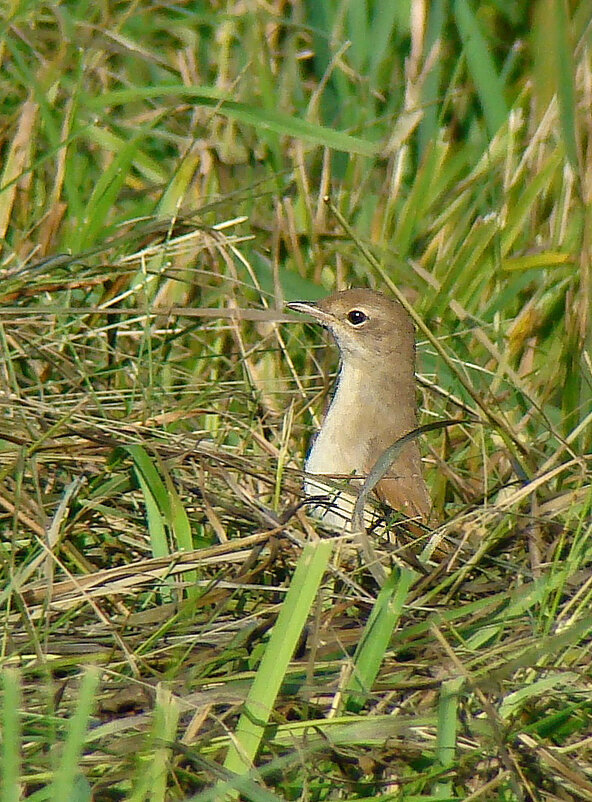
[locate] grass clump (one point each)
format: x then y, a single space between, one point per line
174 626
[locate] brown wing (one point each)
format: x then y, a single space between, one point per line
404 489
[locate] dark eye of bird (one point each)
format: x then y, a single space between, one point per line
356 317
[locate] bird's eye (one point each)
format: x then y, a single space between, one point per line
356 317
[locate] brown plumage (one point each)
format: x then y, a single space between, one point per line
374 403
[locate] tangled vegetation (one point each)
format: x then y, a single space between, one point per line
174 625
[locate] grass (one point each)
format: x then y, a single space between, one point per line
174 625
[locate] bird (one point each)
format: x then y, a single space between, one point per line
373 405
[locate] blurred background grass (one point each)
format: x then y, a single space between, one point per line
162 193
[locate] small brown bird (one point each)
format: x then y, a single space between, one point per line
374 403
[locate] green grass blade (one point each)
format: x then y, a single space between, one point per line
410 215
447 730
156 499
164 508
174 195
178 522
155 520
145 467
383 27
104 195
64 784
11 736
358 34
430 96
489 86
376 636
276 121
515 702
151 782
166 717
566 90
181 536
113 143
522 206
284 638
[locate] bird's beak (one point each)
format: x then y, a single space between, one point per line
310 308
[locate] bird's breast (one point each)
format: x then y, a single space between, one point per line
343 442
